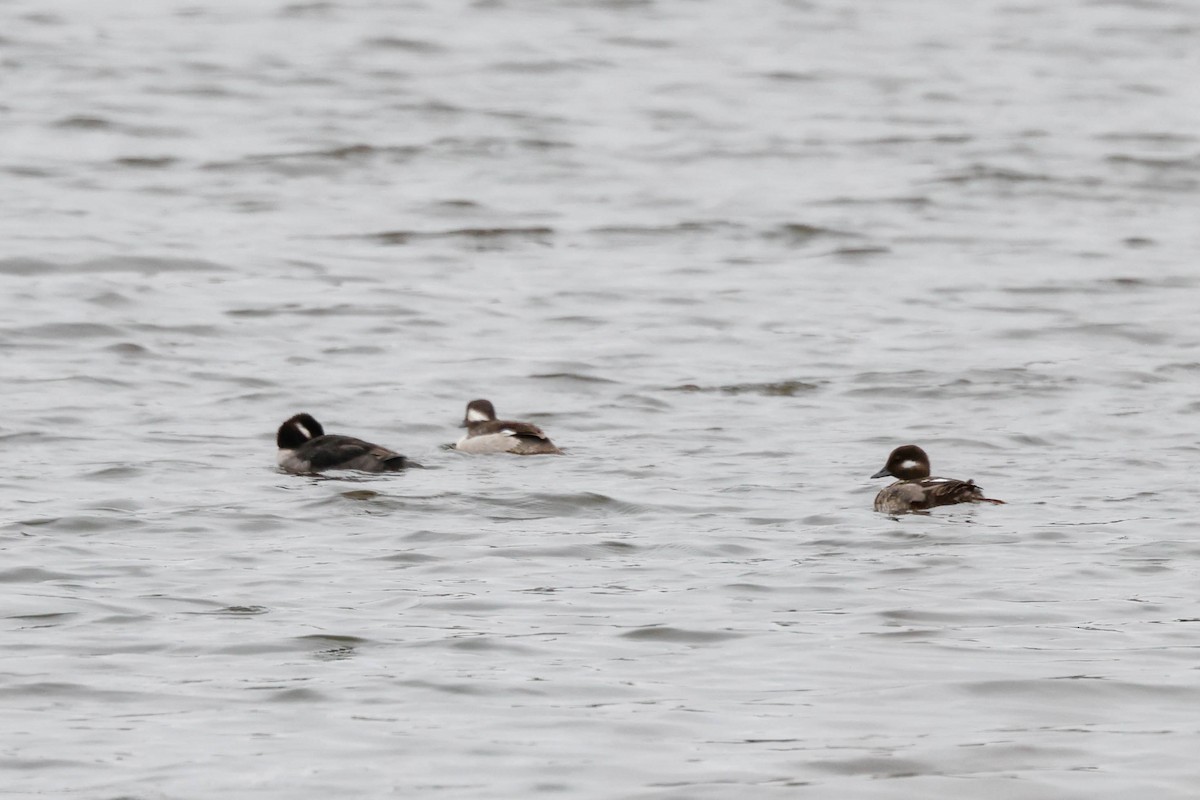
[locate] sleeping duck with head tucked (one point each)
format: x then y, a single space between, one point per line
305 448
916 491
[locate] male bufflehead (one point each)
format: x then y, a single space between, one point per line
486 434
915 490
304 447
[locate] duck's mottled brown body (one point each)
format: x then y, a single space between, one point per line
916 490
486 434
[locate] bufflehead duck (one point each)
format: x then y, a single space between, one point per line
915 490
486 434
304 447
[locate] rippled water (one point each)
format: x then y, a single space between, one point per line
728 255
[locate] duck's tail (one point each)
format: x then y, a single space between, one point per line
977 495
397 462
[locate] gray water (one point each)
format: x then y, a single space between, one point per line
728 255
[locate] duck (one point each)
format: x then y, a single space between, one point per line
916 491
486 434
305 448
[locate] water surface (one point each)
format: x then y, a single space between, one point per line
729 256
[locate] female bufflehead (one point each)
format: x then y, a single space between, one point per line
486 434
916 491
304 447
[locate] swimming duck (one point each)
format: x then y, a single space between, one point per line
304 447
486 434
915 490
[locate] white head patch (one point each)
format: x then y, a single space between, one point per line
906 465
475 415
307 433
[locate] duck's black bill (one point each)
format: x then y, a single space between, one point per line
883 473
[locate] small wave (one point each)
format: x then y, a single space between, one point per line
325 639
640 42
787 388
315 8
410 557
476 236
944 138
338 310
487 644
234 611
793 76
33 436
360 494
355 350
571 377
910 201
84 122
537 506
116 473
1119 284
46 619
129 349
28 171
188 330
146 162
308 162
459 688
110 299
550 66
1094 691
88 122
301 695
1129 332
421 46
801 232
1186 162
984 382
667 633
66 330
686 227
72 691
33 575
985 173
145 265
1154 137
861 252
878 767
26 266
